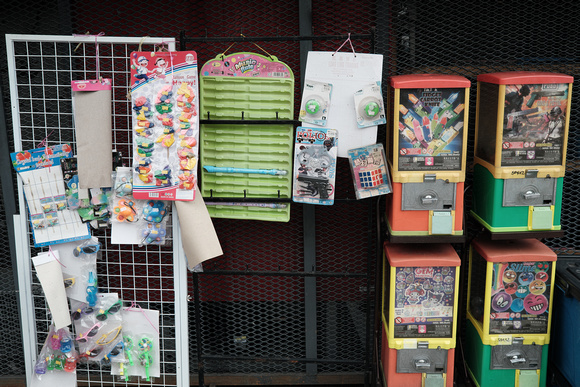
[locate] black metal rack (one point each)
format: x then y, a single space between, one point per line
308 361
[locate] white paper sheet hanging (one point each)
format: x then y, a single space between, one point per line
347 73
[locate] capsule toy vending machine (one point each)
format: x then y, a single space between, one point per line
509 311
419 314
521 136
426 149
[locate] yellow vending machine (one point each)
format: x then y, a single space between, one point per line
426 148
521 133
419 314
509 309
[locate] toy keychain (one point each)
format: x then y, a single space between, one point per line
312 106
55 339
125 211
145 357
154 211
154 234
163 103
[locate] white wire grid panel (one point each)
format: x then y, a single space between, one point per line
40 72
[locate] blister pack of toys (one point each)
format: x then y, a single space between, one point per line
154 225
315 102
369 171
42 179
124 207
369 105
165 108
315 165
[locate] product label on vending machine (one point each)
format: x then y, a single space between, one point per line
534 124
520 298
431 129
424 300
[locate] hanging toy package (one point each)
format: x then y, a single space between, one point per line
165 124
57 357
140 345
315 165
369 105
98 327
123 206
315 102
369 171
154 224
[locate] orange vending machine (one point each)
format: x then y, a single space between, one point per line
419 313
426 147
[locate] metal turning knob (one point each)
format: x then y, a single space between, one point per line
529 194
422 364
428 199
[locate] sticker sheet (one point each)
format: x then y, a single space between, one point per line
164 94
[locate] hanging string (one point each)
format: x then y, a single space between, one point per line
163 47
267 53
227 49
128 96
78 45
97 54
134 305
96 50
54 256
141 42
44 142
351 47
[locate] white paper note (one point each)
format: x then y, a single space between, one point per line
347 73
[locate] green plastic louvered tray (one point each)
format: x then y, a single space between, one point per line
237 87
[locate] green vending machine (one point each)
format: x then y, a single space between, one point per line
509 312
521 133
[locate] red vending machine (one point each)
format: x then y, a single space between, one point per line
419 313
426 149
